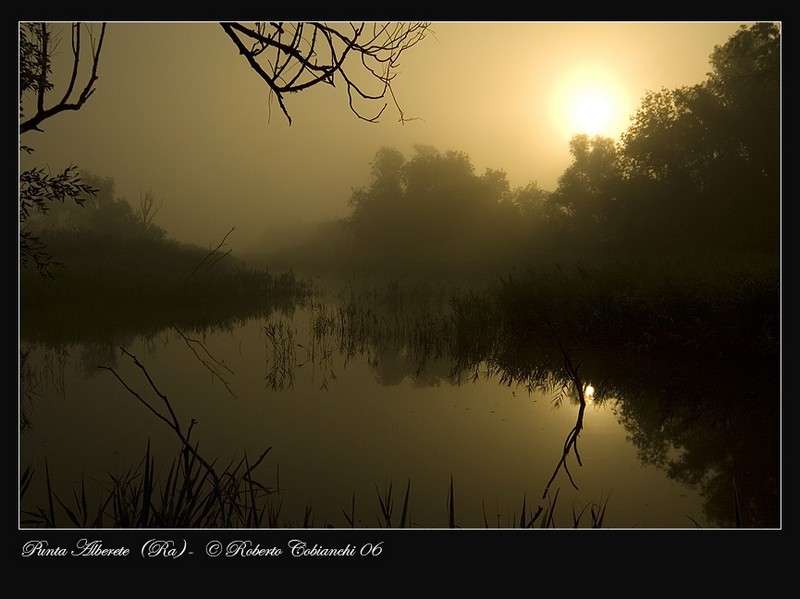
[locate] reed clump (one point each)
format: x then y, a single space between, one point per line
708 308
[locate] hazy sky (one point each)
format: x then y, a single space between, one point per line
178 112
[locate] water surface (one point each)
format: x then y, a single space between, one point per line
355 398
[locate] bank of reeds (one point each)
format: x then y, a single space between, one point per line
704 308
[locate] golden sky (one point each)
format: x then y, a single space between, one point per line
178 113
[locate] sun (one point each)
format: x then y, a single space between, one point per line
588 99
592 113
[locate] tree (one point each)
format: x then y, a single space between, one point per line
38 189
293 57
706 158
148 208
530 201
582 204
289 57
103 216
433 209
38 43
376 208
746 79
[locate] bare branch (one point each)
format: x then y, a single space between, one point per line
211 363
292 57
214 255
172 421
148 207
571 443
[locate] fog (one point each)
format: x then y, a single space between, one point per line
177 113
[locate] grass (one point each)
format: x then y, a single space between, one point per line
189 497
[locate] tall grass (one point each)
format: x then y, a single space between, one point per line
140 498
709 309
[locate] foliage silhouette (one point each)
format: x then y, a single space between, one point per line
696 173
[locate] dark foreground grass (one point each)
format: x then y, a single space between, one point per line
191 496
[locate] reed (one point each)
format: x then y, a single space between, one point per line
708 308
282 357
138 498
387 508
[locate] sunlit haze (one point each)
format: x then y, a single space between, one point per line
178 113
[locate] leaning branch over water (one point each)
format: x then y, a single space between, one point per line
172 421
571 442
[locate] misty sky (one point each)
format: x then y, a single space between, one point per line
178 112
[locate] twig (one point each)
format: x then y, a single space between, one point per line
209 364
172 422
210 256
571 443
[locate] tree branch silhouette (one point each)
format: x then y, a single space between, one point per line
292 57
571 443
36 64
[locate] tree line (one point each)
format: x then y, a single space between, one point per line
289 57
698 170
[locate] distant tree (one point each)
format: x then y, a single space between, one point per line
531 219
148 208
289 57
383 197
433 208
293 57
530 201
101 215
581 206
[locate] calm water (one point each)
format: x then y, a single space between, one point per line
353 402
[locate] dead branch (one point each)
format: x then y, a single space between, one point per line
213 365
171 421
292 57
571 443
214 255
